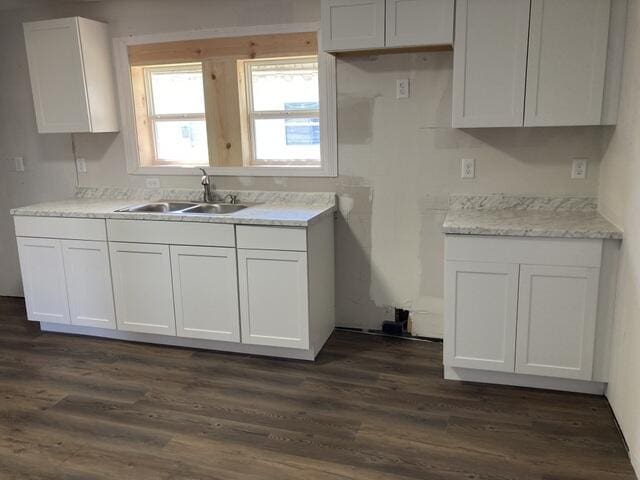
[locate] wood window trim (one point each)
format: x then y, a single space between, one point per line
126 77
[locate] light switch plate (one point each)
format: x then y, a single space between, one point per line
153 182
402 88
468 168
18 164
579 169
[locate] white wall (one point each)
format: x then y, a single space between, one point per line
620 201
398 159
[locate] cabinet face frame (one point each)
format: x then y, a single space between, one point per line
93 307
334 41
537 65
590 276
436 18
452 292
219 303
44 282
299 298
159 317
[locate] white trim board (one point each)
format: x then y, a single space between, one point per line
266 351
328 103
519 380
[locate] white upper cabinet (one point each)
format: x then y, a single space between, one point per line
419 22
567 62
490 63
71 75
351 25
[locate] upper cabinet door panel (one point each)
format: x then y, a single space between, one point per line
55 66
352 25
567 62
490 60
419 22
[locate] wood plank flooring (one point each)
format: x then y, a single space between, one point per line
369 408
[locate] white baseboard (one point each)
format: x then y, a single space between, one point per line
266 351
519 380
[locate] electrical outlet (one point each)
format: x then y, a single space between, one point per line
81 164
18 164
579 168
402 88
153 182
468 168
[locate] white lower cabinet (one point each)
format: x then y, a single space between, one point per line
534 313
142 287
557 321
274 302
205 289
43 279
481 309
88 280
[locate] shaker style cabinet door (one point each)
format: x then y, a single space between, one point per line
274 302
352 25
556 321
480 307
205 289
419 22
489 63
43 278
567 62
142 287
88 277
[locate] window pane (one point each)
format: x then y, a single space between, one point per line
177 92
285 86
182 142
291 140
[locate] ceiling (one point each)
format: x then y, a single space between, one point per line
18 4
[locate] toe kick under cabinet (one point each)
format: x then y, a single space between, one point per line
524 311
266 290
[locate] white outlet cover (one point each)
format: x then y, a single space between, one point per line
18 164
81 165
468 168
153 182
402 88
579 168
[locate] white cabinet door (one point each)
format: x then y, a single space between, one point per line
489 63
352 25
567 62
205 288
480 315
43 279
88 277
274 304
556 321
142 287
419 22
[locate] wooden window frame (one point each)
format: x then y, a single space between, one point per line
327 85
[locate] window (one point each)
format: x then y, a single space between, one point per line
283 111
176 114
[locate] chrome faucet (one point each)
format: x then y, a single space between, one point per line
207 194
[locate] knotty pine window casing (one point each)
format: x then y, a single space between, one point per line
228 120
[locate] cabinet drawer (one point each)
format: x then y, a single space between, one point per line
272 238
65 228
538 251
171 233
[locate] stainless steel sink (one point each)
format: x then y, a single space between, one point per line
159 207
191 208
214 208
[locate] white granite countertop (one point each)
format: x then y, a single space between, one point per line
522 216
293 215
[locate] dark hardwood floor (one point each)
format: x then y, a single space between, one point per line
369 408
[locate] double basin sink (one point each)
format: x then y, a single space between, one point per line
185 208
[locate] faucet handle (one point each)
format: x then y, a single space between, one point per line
233 199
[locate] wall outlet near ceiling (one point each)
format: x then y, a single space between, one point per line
468 168
402 88
81 165
579 168
152 182
18 164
